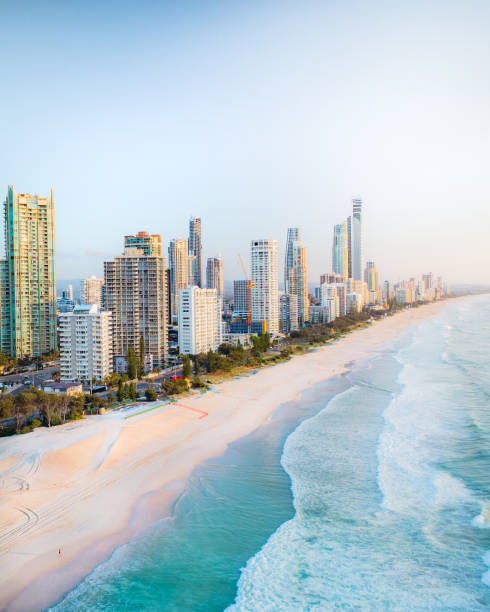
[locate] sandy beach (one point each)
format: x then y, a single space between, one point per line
69 495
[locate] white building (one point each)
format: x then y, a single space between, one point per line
180 269
296 272
289 313
85 343
265 293
91 291
199 320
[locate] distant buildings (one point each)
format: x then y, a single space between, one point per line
28 276
199 320
91 290
340 250
85 344
149 244
240 299
136 294
178 261
265 293
215 276
195 251
356 242
288 309
296 273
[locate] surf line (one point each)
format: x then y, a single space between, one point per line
201 412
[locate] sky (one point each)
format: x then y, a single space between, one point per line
255 116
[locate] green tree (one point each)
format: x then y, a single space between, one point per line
110 398
132 391
150 394
186 370
197 366
120 391
132 363
141 369
7 406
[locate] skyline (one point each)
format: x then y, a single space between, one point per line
256 119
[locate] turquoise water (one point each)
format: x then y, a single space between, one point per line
370 493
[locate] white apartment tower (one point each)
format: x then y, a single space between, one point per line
199 320
91 291
178 262
340 251
85 344
265 293
288 312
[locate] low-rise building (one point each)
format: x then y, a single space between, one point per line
58 388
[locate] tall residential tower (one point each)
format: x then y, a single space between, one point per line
195 251
28 276
265 293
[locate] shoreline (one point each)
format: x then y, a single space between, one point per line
111 445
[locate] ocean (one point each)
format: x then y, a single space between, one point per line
369 493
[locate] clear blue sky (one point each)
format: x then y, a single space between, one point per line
255 116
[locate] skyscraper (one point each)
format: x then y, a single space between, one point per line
356 245
340 251
195 249
178 261
265 293
28 275
293 235
214 275
296 272
136 293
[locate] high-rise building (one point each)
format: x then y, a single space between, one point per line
195 249
355 241
292 236
240 299
296 272
215 275
149 244
135 288
179 269
199 320
371 276
85 344
340 254
265 294
28 275
91 290
288 307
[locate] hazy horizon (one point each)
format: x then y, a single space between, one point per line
255 117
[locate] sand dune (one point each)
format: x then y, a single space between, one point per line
76 485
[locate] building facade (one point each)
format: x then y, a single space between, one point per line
178 261
288 309
136 293
195 251
215 275
296 272
199 320
356 242
28 276
91 290
340 250
150 244
265 292
240 299
85 344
